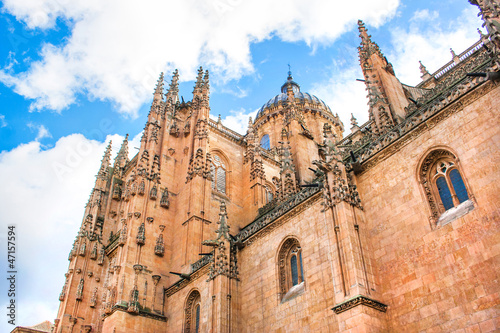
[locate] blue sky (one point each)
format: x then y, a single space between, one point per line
74 74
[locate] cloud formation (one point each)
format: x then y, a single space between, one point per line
423 39
43 193
115 51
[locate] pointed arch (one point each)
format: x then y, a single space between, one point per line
192 310
442 181
220 169
290 268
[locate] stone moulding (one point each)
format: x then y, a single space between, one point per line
142 313
202 271
449 96
280 210
398 141
113 243
359 300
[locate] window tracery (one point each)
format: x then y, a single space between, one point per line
268 194
192 312
290 268
443 182
218 173
265 142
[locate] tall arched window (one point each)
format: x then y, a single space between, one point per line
290 269
442 181
192 313
264 142
218 171
269 194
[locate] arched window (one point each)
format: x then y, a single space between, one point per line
264 142
291 271
218 172
442 181
269 194
192 313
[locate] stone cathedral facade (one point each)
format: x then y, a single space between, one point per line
295 228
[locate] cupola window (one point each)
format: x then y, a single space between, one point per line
264 142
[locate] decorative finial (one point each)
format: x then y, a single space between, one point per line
354 122
219 119
103 170
423 69
289 72
159 85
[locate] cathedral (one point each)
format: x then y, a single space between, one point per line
295 227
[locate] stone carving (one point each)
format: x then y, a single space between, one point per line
117 192
280 210
224 261
79 290
93 299
199 166
141 234
287 185
164 202
100 260
192 298
133 304
93 253
159 247
83 247
359 300
153 194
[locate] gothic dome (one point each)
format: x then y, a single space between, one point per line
300 97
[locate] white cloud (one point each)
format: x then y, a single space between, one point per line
42 131
424 14
237 120
431 43
3 122
428 42
43 193
116 51
343 93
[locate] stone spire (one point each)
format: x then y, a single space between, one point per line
121 159
423 70
199 81
105 163
387 99
173 90
158 94
354 124
454 56
367 47
287 184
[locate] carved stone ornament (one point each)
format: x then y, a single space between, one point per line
359 300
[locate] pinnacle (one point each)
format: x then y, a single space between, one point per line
105 161
159 85
122 154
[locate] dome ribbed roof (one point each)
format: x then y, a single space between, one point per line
302 97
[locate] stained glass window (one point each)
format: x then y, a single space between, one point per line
218 173
444 193
264 142
293 266
197 319
458 185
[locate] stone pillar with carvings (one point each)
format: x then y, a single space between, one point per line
223 277
355 283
